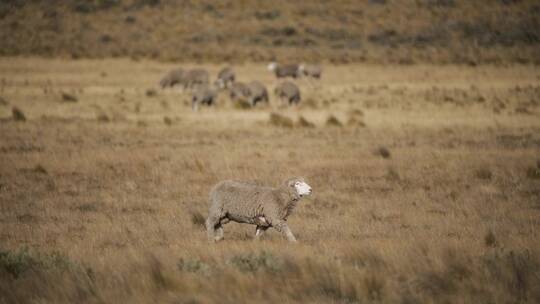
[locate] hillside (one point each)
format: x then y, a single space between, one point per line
342 31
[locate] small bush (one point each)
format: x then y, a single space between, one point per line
151 93
193 265
302 122
354 122
242 104
392 175
167 120
39 169
490 239
483 173
66 97
17 263
332 121
268 15
533 172
17 114
252 263
279 120
384 152
197 219
102 117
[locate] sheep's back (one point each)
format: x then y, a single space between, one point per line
237 197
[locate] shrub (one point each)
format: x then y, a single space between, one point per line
254 262
332 121
18 115
384 152
69 97
302 122
17 263
193 265
280 120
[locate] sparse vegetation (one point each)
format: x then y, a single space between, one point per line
167 120
102 117
442 31
280 120
384 152
18 114
483 173
69 97
303 122
20 262
197 219
151 92
114 212
333 121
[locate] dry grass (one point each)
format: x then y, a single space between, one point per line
113 212
344 31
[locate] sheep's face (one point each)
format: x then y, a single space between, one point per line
219 84
272 66
300 186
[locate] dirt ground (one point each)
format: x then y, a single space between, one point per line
426 186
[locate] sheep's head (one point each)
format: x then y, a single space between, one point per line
299 185
272 66
219 83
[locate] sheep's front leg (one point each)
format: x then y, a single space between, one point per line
284 229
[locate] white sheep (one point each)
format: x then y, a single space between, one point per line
173 78
251 203
283 71
257 93
203 95
288 92
225 78
310 70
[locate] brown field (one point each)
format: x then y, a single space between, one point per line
339 31
102 197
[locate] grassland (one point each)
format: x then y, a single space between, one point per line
339 31
426 186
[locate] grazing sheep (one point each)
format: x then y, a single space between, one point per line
196 77
238 91
310 70
204 95
251 203
172 78
225 78
288 92
256 92
283 71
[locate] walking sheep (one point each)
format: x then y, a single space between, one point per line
196 77
203 95
310 70
283 71
257 92
251 203
172 78
225 78
238 91
288 92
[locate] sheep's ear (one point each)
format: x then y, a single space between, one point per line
290 182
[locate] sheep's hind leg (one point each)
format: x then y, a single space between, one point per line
219 229
213 224
259 231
